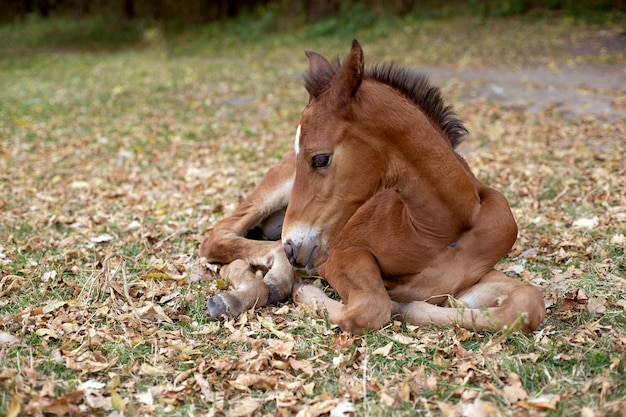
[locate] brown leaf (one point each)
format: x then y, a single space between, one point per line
543 402
7 339
243 408
160 370
514 392
301 366
7 373
480 408
246 381
383 351
386 399
459 351
342 341
58 406
205 387
596 305
10 283
319 408
431 382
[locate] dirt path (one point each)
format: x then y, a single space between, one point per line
577 90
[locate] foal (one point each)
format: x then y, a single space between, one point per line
375 200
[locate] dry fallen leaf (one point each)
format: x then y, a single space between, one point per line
319 408
14 407
243 408
303 366
543 402
343 409
596 305
479 408
383 351
342 341
246 381
8 339
514 391
586 223
103 238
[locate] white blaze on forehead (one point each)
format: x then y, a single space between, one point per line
297 141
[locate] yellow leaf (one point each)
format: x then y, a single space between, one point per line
439 360
79 185
117 401
221 283
15 407
156 275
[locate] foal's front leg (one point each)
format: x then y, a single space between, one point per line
366 304
228 244
250 290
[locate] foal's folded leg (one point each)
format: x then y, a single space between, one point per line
355 275
356 317
250 290
316 300
494 303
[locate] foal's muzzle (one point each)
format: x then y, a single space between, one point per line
304 247
300 257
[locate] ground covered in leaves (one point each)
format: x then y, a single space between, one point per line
112 164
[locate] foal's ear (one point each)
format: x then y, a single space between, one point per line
349 76
320 74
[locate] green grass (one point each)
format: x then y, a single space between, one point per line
167 134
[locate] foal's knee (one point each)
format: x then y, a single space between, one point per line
368 313
212 248
535 309
524 309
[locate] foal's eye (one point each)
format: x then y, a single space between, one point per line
320 161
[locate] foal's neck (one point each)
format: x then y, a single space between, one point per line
433 181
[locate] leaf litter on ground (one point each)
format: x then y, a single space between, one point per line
108 183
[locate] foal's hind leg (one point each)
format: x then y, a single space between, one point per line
228 243
495 302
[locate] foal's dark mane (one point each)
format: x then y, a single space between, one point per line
417 88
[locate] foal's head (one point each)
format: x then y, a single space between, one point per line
348 142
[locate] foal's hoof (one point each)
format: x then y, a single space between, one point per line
217 307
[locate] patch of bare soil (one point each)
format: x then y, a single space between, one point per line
571 88
576 90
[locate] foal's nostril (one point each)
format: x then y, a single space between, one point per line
300 256
290 251
309 263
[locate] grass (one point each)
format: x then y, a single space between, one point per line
151 141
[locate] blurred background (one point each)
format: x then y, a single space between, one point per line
111 23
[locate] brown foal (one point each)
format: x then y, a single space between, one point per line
375 200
